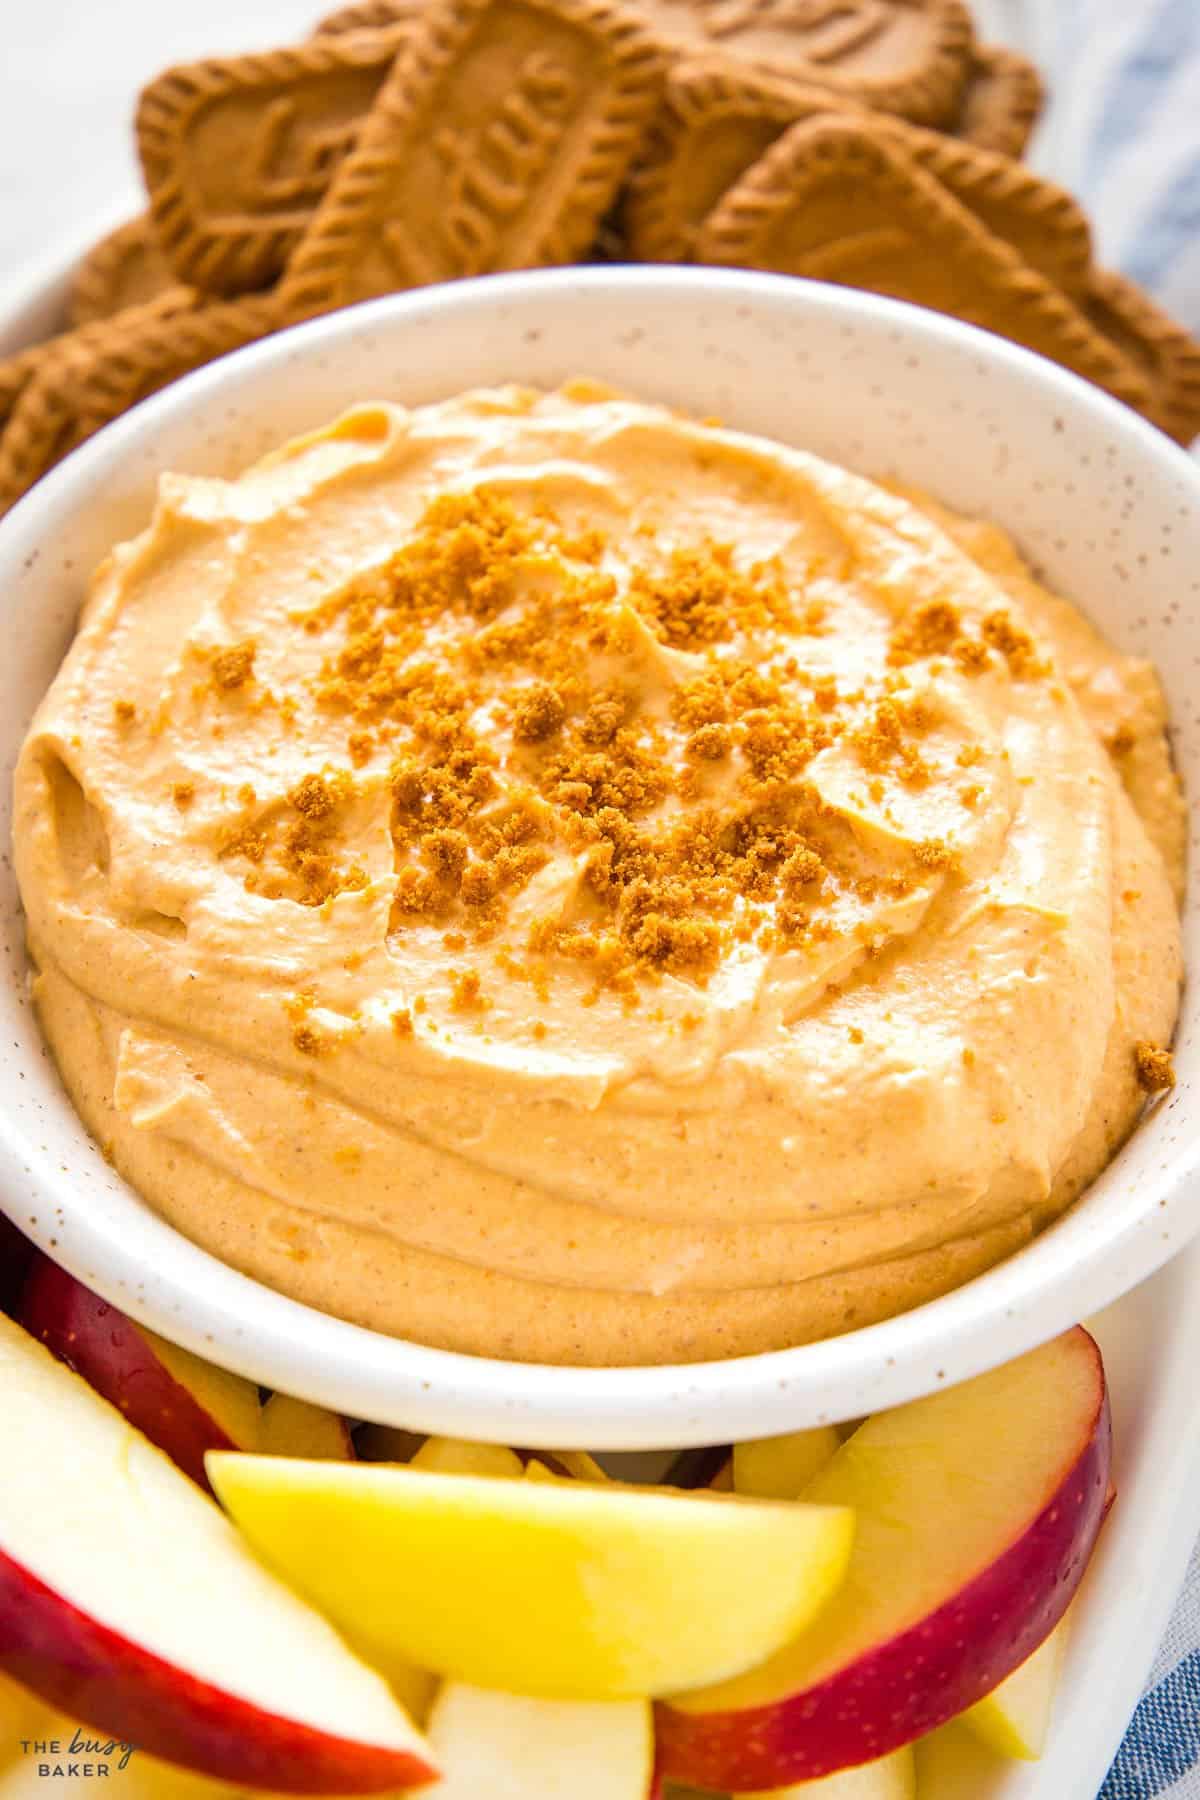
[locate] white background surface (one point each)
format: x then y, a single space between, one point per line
70 71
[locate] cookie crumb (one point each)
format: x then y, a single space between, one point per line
466 992
538 714
232 668
1155 1067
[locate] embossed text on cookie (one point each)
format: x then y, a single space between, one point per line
237 151
825 30
497 142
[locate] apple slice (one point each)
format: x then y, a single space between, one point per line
22 1715
328 1436
458 1456
1014 1719
291 1427
892 1777
127 1599
536 1470
578 1464
977 1511
183 1404
562 1589
779 1468
508 1747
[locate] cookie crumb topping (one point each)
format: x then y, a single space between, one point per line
643 742
234 667
1155 1067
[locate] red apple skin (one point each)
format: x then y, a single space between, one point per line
106 1681
16 1255
919 1679
107 1349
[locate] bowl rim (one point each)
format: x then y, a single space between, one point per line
202 1303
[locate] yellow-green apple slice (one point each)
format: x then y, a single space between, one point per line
291 1427
509 1747
977 1509
414 1686
183 1404
22 1715
449 1456
459 1456
557 1588
1014 1718
128 1600
779 1468
578 1464
536 1470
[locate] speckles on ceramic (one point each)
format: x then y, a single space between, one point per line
1105 505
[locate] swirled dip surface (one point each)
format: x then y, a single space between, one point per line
554 880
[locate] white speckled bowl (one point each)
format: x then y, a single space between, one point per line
1102 502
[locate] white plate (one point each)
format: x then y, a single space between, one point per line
1151 1342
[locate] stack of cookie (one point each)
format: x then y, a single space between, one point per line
868 142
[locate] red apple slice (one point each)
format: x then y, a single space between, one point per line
291 1427
183 1404
506 1747
128 1600
977 1509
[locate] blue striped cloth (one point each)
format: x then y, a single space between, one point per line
1161 1751
1122 131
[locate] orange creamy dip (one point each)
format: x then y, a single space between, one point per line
550 879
